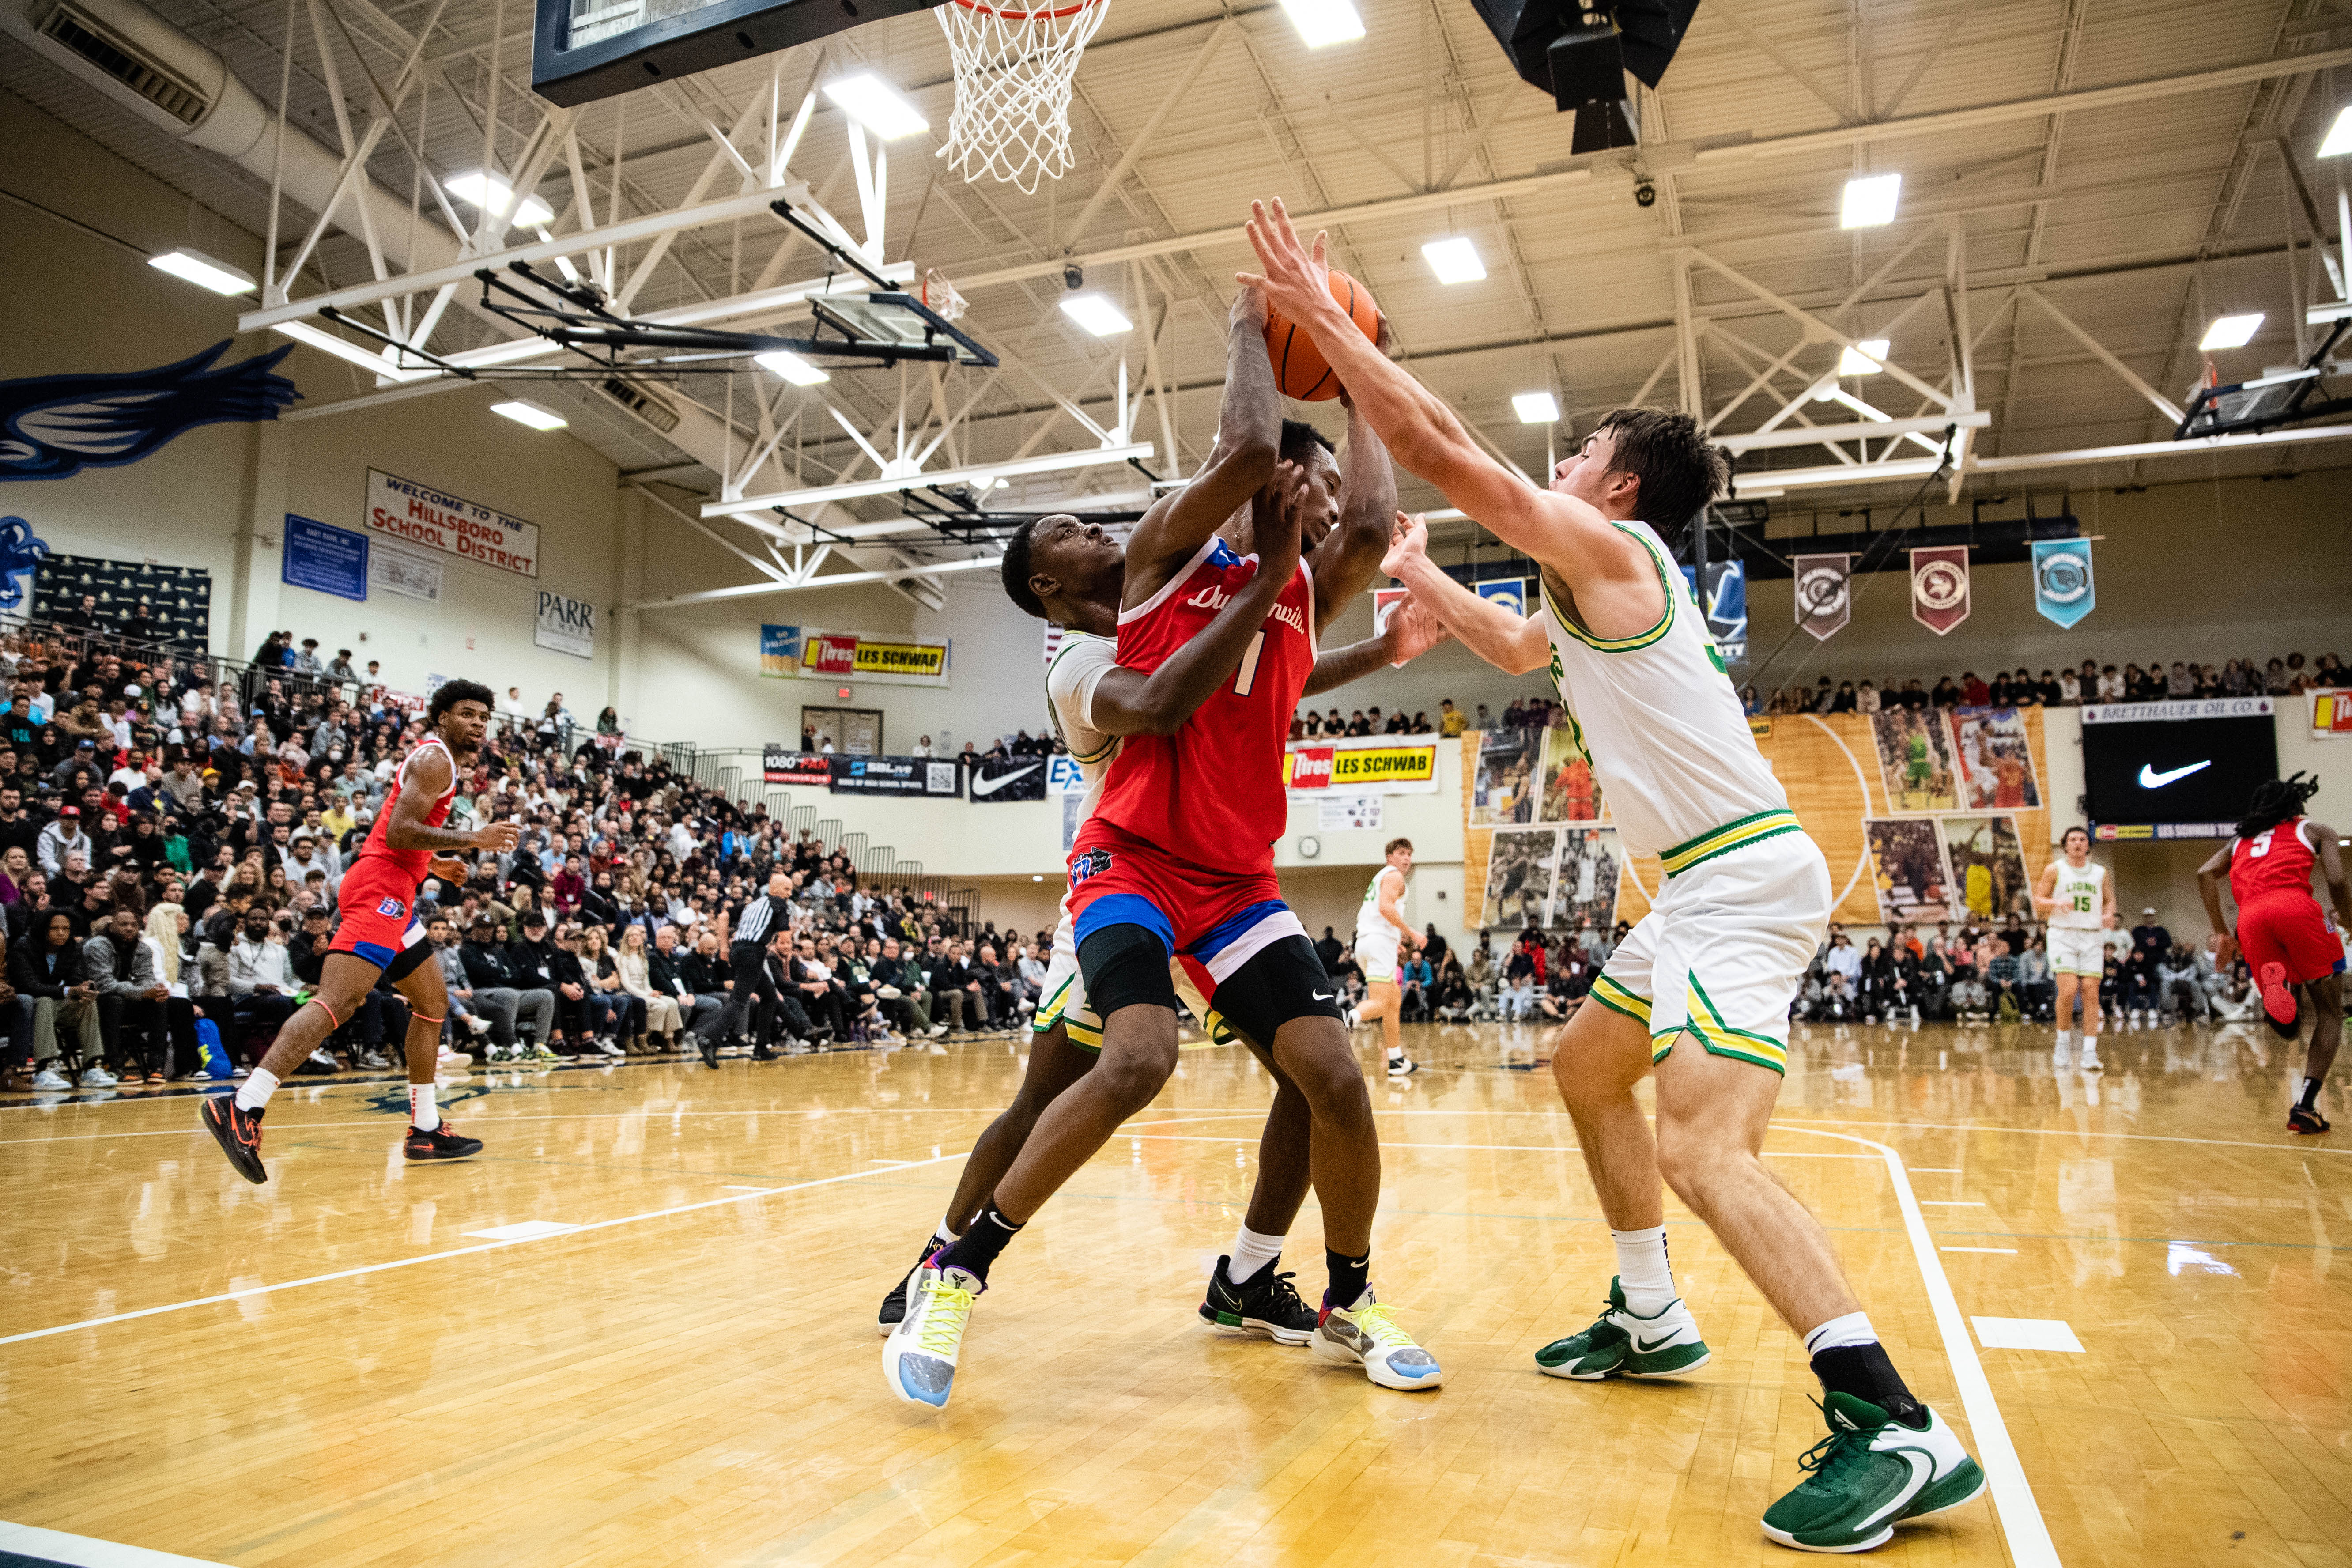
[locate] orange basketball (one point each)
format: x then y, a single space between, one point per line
1299 367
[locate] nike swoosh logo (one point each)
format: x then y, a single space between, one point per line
1923 1470
983 789
1325 996
2151 779
1650 1347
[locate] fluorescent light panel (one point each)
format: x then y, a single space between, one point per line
489 192
877 105
2338 140
530 414
1870 201
2231 331
792 367
1455 260
1322 22
204 272
1049 463
1535 408
1868 360
1097 314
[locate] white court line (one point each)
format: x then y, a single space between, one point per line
1500 1148
459 1252
87 1551
2030 1545
1935 1170
1954 1203
2010 1251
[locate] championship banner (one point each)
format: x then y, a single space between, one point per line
1510 593
1824 595
1940 586
811 654
894 775
1009 778
435 520
788 765
2063 590
1368 764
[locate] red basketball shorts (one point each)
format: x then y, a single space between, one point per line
2288 929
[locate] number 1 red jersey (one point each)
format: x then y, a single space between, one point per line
1211 793
412 864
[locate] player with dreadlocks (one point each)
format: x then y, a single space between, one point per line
2285 936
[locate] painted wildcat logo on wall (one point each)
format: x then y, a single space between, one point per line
19 553
53 426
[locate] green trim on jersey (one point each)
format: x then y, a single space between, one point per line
1731 836
1721 1039
1613 996
1619 645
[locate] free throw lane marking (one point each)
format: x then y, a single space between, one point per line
2027 1334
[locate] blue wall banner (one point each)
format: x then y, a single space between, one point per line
1511 593
779 652
324 559
2063 589
1726 602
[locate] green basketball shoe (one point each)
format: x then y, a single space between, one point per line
1868 1475
1622 1344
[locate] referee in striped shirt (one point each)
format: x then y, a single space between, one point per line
755 927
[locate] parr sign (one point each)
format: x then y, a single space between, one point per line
435 520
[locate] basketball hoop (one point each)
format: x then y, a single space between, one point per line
941 297
1013 76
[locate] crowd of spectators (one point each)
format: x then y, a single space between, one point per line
2089 683
171 842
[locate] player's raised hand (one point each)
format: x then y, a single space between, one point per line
1297 279
1408 542
1411 631
1276 515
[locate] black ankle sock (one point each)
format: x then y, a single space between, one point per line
977 1247
1864 1372
2309 1099
1348 1277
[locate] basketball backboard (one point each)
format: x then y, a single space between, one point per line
582 50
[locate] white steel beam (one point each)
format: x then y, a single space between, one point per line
839 580
2031 462
1925 425
1053 462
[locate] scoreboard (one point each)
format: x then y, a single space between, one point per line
583 50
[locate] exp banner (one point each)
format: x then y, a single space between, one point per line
809 653
435 520
896 775
1370 764
786 765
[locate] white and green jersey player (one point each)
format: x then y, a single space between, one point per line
1698 995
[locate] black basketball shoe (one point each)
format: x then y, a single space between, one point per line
1264 1304
238 1132
894 1305
443 1142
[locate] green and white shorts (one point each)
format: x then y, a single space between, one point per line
1721 954
1064 999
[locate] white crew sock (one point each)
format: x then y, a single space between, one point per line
1854 1329
422 1113
943 1235
2091 1046
1251 1252
1643 1271
2065 1038
254 1093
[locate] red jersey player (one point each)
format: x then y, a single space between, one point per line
1178 860
2285 936
380 937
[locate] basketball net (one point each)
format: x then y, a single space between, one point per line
1013 76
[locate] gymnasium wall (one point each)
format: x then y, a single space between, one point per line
215 497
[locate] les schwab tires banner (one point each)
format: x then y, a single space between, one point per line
1368 764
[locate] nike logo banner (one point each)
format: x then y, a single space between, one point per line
1008 778
2151 779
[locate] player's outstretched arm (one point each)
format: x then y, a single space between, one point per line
1350 555
1130 703
1249 441
2208 888
1514 644
1411 631
1422 433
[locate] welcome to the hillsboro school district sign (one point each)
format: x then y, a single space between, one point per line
435 520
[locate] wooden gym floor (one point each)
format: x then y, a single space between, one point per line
676 1361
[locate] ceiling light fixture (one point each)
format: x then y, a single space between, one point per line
1535 408
1870 201
877 105
1097 314
490 193
1321 22
2338 140
530 414
1455 260
2231 331
792 367
1866 358
204 272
